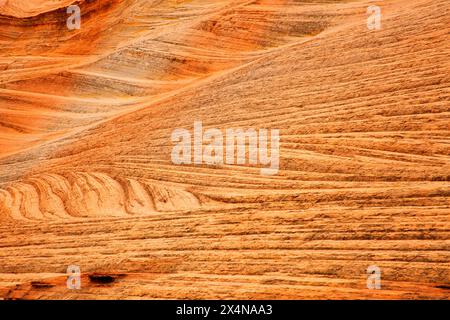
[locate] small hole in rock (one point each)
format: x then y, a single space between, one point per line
101 278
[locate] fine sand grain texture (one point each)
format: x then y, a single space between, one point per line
86 176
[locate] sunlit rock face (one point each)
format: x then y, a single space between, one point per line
86 175
25 9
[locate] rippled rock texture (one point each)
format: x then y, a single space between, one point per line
86 176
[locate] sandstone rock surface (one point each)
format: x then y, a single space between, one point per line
86 176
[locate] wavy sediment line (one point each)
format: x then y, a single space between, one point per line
364 159
53 196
